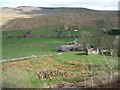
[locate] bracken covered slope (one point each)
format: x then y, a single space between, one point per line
66 17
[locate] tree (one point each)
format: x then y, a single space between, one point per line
60 31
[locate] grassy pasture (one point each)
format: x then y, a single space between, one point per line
22 74
18 47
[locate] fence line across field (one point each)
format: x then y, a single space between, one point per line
22 58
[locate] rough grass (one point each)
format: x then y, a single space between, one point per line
24 72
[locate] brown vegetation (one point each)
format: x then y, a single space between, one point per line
73 18
53 73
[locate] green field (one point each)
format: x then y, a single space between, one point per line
19 47
22 74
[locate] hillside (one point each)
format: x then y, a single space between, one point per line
32 36
9 13
57 17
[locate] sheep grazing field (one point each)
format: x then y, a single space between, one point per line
49 68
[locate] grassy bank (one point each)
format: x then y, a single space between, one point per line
23 73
